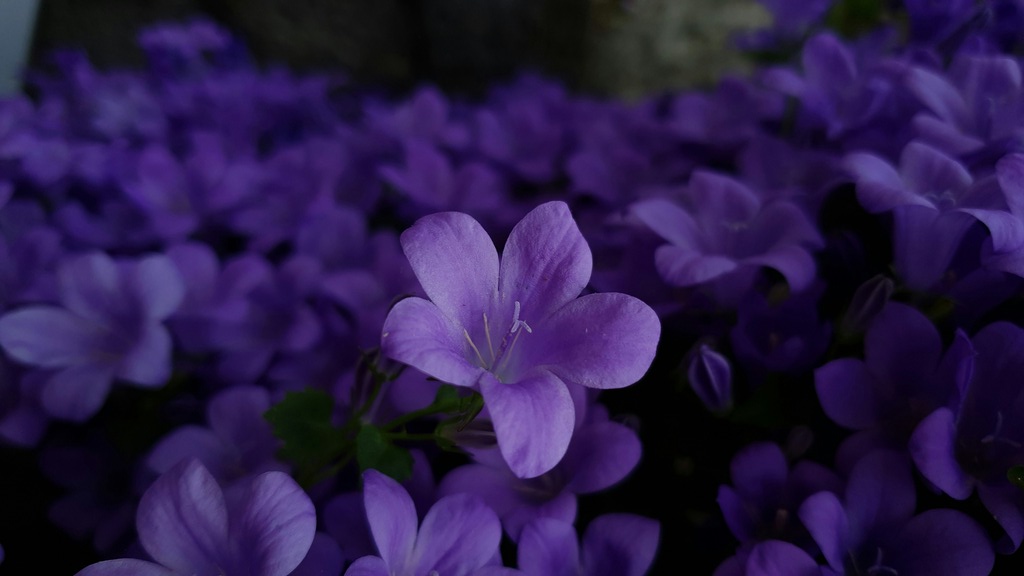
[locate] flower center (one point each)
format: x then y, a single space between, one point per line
496 360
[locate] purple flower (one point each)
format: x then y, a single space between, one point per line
459 535
973 441
613 545
600 454
934 202
187 527
238 444
514 328
725 233
904 376
109 327
873 530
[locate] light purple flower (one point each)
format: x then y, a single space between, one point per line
187 527
110 326
725 232
459 535
514 328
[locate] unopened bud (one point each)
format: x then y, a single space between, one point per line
710 377
867 302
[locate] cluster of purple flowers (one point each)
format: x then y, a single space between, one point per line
254 322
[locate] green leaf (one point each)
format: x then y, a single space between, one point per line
302 421
374 450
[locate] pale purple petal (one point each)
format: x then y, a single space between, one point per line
419 334
159 286
546 263
91 286
126 567
533 420
49 337
668 220
148 363
392 519
879 186
932 446
940 96
549 548
455 262
276 527
182 520
599 341
620 545
77 393
459 534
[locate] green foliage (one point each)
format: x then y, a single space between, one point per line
302 420
375 450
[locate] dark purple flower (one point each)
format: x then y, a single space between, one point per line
724 233
187 527
110 326
238 443
613 545
765 494
515 329
784 336
904 376
459 535
600 454
873 530
974 440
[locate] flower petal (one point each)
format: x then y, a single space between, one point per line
392 519
90 286
456 263
825 519
546 263
417 333
932 447
368 566
846 392
1006 504
549 547
182 520
942 542
459 534
686 267
601 455
276 527
49 337
599 341
125 567
77 393
158 285
148 363
533 421
620 545
778 558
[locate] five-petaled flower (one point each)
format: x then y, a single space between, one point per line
515 328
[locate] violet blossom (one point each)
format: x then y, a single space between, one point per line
613 545
110 326
187 527
514 328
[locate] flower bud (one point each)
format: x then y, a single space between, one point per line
867 302
710 377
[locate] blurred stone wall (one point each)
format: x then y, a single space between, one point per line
615 47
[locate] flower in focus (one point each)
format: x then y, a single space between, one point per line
514 328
